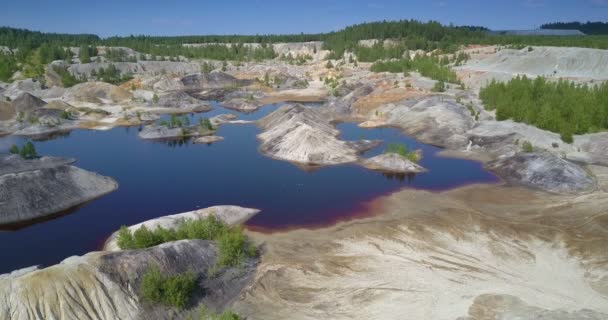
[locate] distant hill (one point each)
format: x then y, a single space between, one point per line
594 28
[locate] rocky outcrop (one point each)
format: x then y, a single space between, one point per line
31 189
231 215
183 101
146 68
208 139
96 92
26 103
166 84
304 135
7 112
545 61
222 118
207 81
241 105
435 120
506 137
18 87
105 285
392 163
544 171
595 147
342 108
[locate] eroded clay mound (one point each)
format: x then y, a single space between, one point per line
305 135
31 189
544 171
105 285
546 61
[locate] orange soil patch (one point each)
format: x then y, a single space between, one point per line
370 102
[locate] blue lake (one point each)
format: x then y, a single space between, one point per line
157 179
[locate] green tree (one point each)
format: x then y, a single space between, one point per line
28 151
84 54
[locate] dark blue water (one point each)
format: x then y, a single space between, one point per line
157 179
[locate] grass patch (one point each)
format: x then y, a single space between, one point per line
401 150
204 314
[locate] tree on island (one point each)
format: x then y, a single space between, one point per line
28 151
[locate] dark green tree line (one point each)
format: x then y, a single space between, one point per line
587 28
562 106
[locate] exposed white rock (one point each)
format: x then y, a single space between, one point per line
105 285
506 137
31 189
208 139
393 163
545 171
96 92
304 135
436 120
546 61
242 105
595 147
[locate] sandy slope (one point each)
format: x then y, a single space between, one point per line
481 251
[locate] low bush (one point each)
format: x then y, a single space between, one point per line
439 86
527 147
173 291
204 314
232 243
402 151
68 79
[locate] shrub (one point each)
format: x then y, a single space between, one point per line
527 147
204 314
14 149
173 291
232 248
68 79
439 86
402 151
232 243
206 124
66 115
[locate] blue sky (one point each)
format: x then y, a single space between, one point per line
178 17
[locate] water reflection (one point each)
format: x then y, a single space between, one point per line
401 177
